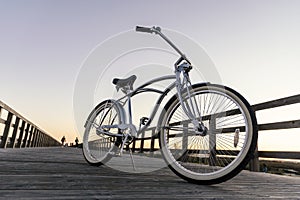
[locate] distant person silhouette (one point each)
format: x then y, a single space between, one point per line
76 142
63 140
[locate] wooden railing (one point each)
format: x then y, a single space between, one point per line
254 163
19 132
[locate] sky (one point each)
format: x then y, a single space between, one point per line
254 45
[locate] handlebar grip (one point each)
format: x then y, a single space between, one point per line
143 29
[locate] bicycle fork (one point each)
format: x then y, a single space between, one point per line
189 104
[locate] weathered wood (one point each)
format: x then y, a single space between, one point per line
34 137
152 141
277 103
9 109
185 138
279 154
6 130
22 129
212 142
31 132
62 173
280 125
15 131
2 121
254 162
26 135
142 142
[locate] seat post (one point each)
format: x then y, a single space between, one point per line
129 109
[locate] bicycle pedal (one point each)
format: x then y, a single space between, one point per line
115 154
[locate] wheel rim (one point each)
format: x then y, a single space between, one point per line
97 147
194 156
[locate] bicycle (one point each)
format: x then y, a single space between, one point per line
207 132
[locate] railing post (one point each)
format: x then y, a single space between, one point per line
152 142
14 135
6 130
45 141
133 146
30 136
212 141
142 143
254 162
36 138
34 135
24 144
185 138
41 140
22 128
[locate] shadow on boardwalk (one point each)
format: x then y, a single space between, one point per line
62 173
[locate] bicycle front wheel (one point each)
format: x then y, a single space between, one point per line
98 147
227 146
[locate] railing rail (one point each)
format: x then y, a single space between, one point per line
19 132
254 163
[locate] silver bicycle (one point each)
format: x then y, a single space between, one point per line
207 132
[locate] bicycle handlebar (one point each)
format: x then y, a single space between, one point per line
143 29
157 30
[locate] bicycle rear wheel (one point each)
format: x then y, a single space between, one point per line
98 147
226 148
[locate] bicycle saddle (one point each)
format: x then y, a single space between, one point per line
124 82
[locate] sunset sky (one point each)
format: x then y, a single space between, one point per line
254 45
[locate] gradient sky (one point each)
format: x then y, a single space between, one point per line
255 46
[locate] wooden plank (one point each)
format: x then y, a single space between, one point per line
254 162
279 154
24 143
34 137
2 121
277 103
22 129
15 131
30 136
6 130
62 173
280 125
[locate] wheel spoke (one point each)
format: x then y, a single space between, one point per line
211 157
97 146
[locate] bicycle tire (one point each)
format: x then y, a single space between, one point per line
98 148
224 151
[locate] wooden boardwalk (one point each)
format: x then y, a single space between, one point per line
62 173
